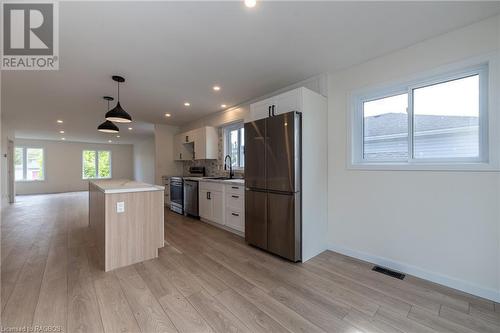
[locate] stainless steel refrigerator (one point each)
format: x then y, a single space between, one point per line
273 184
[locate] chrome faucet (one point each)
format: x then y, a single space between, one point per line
231 172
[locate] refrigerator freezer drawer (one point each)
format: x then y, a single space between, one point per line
256 218
284 225
273 222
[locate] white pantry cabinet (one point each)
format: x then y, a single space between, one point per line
314 138
198 144
273 106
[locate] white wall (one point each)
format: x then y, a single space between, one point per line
164 153
144 161
63 165
442 226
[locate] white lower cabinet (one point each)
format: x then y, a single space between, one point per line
235 220
217 199
205 205
223 204
211 201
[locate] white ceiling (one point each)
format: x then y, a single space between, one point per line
172 52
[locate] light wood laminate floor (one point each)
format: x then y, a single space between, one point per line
206 280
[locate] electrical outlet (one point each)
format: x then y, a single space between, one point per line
120 207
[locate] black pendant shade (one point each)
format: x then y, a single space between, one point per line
108 127
117 114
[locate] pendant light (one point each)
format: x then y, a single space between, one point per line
108 126
118 115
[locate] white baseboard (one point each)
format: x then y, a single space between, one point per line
444 280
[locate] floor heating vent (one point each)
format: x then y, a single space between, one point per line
387 271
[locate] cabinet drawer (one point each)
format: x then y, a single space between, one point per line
235 220
235 189
235 202
211 186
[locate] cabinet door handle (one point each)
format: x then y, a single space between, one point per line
272 110
180 156
234 214
187 138
235 196
209 196
235 187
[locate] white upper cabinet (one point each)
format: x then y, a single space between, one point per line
198 144
206 143
286 102
260 109
183 151
282 103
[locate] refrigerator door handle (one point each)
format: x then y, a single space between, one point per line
269 110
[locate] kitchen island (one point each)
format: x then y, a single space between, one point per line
126 219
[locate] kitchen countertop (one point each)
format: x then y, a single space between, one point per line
234 181
124 186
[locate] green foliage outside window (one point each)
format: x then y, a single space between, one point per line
104 164
96 164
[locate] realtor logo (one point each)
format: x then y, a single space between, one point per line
30 36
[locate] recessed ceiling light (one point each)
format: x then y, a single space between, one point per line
59 121
117 136
223 105
62 132
167 115
63 139
187 104
110 141
130 128
216 88
250 3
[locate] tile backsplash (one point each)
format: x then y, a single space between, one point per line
213 168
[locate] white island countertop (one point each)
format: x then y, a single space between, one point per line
124 186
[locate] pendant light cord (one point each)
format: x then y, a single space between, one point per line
118 91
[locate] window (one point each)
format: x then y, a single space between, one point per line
437 121
234 146
96 164
29 164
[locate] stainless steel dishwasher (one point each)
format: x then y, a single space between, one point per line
191 197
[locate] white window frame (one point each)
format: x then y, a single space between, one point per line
25 164
97 164
227 129
481 162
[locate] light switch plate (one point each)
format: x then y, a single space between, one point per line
120 207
